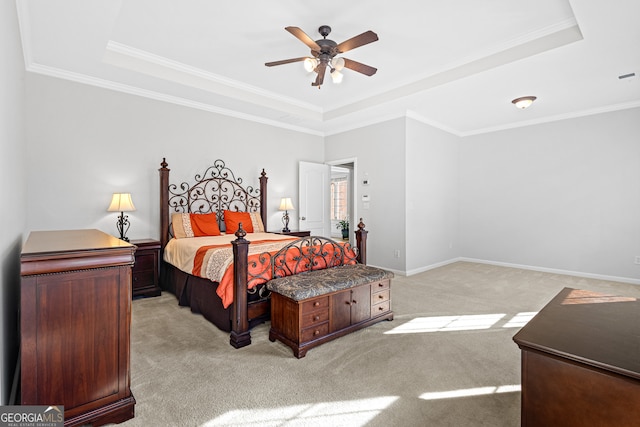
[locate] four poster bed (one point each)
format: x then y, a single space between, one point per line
209 265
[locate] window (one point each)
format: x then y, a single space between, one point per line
339 198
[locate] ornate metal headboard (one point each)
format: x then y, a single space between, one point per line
214 191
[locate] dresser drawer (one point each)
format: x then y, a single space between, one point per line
381 308
379 297
380 285
314 332
315 317
315 304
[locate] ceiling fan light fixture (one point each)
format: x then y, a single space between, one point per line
524 101
310 64
337 63
336 76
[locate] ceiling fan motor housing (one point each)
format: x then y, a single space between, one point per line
324 30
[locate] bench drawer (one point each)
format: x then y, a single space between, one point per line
315 317
314 332
379 297
380 308
380 285
315 304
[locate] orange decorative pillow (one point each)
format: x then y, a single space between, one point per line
232 219
194 225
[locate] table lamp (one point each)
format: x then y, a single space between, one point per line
121 202
286 205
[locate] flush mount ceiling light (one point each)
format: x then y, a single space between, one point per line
324 53
523 102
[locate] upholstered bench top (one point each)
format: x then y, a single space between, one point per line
319 282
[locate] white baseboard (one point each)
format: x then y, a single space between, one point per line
555 271
522 266
431 266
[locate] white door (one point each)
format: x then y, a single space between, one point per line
314 198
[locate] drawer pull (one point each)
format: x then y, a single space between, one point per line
316 332
380 285
316 304
355 302
316 318
381 296
348 302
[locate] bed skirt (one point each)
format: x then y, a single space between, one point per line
196 293
200 296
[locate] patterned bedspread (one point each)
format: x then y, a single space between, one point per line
212 258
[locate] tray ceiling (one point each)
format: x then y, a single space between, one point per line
453 64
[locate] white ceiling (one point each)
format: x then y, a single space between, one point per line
455 64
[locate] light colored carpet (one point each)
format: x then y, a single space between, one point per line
450 362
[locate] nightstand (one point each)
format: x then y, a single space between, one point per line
146 269
295 233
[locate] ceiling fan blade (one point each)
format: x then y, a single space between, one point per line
285 61
359 67
304 38
357 41
320 79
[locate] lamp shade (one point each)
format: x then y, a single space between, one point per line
286 204
121 202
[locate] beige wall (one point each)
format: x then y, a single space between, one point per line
380 152
559 196
84 143
13 171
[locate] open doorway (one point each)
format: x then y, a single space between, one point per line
342 193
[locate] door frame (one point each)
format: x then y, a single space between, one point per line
354 218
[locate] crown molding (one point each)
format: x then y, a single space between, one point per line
24 23
144 62
356 124
420 118
359 124
131 90
555 118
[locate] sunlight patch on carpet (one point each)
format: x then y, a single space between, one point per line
447 323
520 319
466 392
343 413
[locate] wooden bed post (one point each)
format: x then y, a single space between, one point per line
263 198
240 335
164 203
361 243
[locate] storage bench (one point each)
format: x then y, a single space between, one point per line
311 308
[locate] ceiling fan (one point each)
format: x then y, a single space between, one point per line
324 53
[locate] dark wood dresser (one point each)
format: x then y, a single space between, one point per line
581 361
75 325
